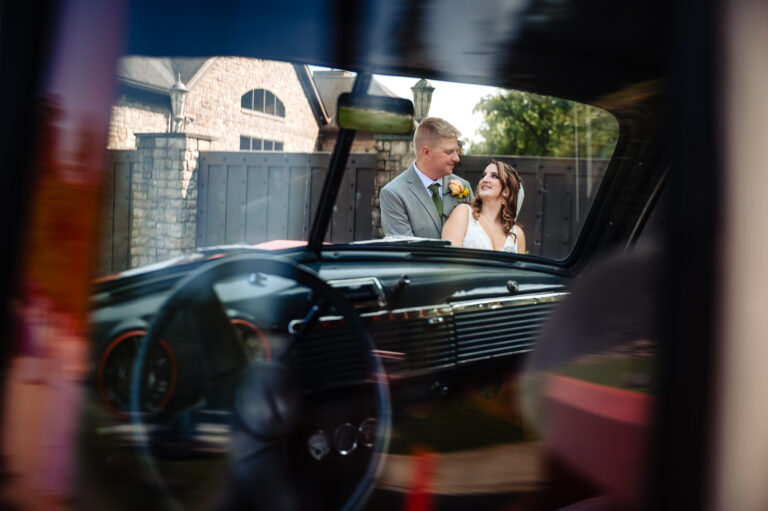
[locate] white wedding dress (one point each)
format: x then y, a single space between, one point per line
476 237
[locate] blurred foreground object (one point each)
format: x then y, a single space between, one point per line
589 383
45 375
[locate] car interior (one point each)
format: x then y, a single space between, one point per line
205 309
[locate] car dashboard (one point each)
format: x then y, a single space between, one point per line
423 318
451 337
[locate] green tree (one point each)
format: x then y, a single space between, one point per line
526 124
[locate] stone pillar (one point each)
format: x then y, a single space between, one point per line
394 154
164 196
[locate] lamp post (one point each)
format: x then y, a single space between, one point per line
178 98
422 97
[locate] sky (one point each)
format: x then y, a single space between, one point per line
451 101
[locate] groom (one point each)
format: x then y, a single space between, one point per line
418 201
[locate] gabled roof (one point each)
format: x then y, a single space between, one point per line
313 95
157 74
322 88
330 84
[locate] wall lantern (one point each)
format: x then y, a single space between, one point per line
422 97
178 98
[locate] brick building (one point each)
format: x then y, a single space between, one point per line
239 103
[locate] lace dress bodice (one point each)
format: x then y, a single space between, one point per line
476 237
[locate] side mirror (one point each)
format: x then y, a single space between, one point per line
379 114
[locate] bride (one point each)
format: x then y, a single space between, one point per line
489 222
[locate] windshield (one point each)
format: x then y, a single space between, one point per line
220 151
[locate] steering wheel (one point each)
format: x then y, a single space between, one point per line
261 400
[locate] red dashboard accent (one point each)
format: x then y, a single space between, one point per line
105 356
258 332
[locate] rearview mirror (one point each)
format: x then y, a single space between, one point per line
380 114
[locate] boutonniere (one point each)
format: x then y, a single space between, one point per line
457 189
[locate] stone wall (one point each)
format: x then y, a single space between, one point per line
164 196
164 191
394 155
130 117
213 103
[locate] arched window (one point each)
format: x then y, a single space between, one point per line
262 100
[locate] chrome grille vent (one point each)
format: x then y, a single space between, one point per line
492 330
407 342
329 356
422 340
424 343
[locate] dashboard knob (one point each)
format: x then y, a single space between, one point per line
401 284
318 445
367 431
345 439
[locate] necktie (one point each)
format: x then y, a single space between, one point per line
435 188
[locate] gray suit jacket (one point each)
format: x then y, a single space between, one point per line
407 208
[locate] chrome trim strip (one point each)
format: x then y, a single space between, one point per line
447 310
430 311
512 301
391 355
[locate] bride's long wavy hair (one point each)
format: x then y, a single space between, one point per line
511 182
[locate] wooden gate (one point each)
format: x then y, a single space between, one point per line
255 197
558 195
115 236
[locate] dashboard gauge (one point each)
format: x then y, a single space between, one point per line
253 340
318 445
116 367
345 439
366 433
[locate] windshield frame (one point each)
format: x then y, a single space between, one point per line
332 181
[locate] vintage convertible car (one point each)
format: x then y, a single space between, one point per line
243 335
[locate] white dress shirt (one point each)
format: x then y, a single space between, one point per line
426 181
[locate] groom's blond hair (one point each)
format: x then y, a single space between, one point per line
430 131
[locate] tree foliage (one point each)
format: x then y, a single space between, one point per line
526 124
